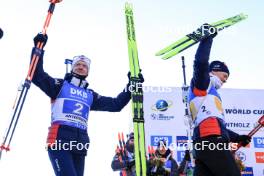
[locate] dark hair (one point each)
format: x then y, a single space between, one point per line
130 136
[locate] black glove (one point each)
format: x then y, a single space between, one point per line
244 140
140 77
40 38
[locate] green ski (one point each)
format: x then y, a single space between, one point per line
137 95
197 36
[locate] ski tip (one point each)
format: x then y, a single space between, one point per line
169 55
128 6
244 16
162 51
159 53
128 9
166 57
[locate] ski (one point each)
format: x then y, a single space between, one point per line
18 104
137 95
68 64
196 36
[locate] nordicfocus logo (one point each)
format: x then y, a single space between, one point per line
241 156
182 144
71 145
78 93
259 157
161 106
258 142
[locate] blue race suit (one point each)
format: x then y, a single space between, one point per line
71 105
208 116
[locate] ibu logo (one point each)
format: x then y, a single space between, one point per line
78 93
155 140
258 142
161 105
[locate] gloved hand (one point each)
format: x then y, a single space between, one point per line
244 140
40 38
140 77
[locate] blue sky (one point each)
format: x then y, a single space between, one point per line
97 30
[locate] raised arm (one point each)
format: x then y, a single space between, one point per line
201 78
41 79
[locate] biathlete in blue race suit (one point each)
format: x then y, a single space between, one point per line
71 102
208 115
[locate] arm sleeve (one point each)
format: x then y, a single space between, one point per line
42 80
201 78
103 103
234 137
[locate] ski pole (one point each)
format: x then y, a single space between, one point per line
68 63
188 118
26 85
253 131
122 153
149 152
119 153
122 144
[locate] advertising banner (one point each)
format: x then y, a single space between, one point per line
164 119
